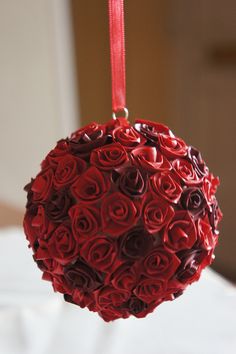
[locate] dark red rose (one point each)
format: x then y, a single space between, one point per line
58 205
207 238
68 168
132 182
157 213
150 158
84 220
193 200
186 172
196 159
80 276
180 233
172 146
118 214
61 246
124 277
109 297
215 215
137 307
62 148
41 186
84 140
165 184
99 252
91 185
160 264
128 137
149 289
210 185
109 157
134 244
191 265
151 130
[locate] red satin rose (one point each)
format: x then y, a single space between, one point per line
172 146
91 186
150 289
124 277
186 172
41 186
128 137
99 253
165 184
118 213
109 157
150 159
180 233
61 246
84 220
160 264
68 168
157 213
122 218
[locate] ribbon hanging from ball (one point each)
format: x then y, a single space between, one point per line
117 54
122 217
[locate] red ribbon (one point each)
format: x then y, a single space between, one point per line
117 52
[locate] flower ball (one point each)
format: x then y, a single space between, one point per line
122 218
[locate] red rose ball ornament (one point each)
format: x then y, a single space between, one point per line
121 218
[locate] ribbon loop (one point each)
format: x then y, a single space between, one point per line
117 54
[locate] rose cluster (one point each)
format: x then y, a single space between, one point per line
121 217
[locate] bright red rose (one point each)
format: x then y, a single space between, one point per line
91 185
51 160
124 277
41 186
37 225
150 158
172 146
84 220
68 168
160 264
128 137
118 214
157 213
60 284
149 289
207 238
210 185
186 172
113 313
108 297
109 157
165 184
180 233
61 246
99 252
